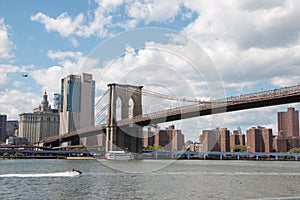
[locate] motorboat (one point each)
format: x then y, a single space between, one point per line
77 171
119 155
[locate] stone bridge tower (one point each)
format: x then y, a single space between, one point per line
129 137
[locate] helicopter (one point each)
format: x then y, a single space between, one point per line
25 75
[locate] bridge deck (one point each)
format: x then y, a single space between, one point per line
241 102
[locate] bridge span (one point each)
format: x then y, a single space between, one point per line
200 108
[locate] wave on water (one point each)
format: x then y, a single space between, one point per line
55 174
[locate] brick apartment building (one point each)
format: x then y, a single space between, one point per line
259 139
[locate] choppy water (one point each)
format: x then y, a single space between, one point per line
149 179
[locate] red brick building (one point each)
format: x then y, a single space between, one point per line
259 139
237 138
215 140
169 139
288 123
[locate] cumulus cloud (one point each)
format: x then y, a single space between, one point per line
63 24
107 15
153 10
249 41
22 102
5 70
68 63
6 45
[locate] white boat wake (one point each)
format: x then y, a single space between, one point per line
55 174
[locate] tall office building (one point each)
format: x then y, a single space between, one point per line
288 123
3 119
42 123
259 139
77 102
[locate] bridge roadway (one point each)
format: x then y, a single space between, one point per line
241 102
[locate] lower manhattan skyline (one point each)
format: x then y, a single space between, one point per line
149 99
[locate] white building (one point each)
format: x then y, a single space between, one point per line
42 123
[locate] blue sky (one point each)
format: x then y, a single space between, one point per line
248 46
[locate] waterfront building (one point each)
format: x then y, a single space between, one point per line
215 140
197 147
236 138
224 140
169 139
148 137
288 131
42 123
288 123
209 140
284 144
259 139
14 140
3 119
77 105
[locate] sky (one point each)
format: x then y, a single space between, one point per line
192 49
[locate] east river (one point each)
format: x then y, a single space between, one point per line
149 179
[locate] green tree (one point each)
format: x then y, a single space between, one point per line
6 155
239 148
19 155
294 150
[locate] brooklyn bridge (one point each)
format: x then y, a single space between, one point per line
121 117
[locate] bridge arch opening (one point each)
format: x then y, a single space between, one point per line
118 109
130 107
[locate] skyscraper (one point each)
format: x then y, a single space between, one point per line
3 119
77 102
288 123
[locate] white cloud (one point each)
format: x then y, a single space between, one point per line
22 102
74 42
153 11
107 16
4 71
6 45
69 63
63 24
249 41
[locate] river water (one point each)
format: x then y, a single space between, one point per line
149 179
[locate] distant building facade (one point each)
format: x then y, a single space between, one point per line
288 123
215 140
259 139
3 119
237 138
42 123
12 127
149 137
169 139
284 144
288 131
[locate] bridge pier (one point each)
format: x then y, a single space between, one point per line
129 137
